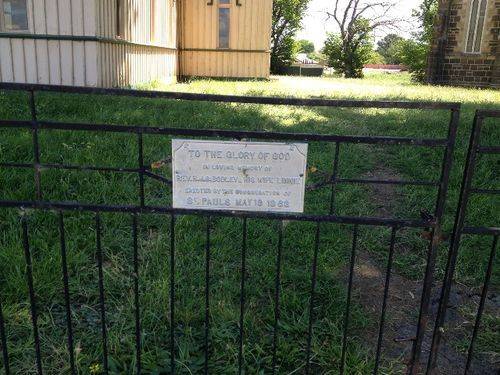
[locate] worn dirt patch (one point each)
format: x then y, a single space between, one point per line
402 315
404 301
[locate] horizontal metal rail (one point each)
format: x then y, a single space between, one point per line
484 191
386 182
231 134
147 172
488 231
488 150
483 113
233 98
70 167
69 206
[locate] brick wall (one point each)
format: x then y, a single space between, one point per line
495 78
448 61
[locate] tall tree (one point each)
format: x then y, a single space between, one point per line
287 19
414 52
350 59
426 15
389 48
356 21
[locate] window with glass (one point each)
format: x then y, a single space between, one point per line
14 15
119 19
224 22
476 26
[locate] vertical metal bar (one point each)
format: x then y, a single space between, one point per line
455 241
480 310
447 163
384 302
242 293
136 296
141 168
29 276
172 294
36 146
3 341
207 293
348 303
334 176
311 303
64 266
277 285
432 248
101 294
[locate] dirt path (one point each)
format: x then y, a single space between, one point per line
404 299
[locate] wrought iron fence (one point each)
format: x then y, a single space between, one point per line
460 229
136 210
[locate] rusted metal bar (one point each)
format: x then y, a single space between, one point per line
36 145
432 248
64 265
32 297
229 134
458 230
348 302
3 340
482 302
68 206
232 98
102 304
312 297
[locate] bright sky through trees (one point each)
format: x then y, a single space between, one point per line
315 25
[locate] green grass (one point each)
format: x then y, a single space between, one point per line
154 241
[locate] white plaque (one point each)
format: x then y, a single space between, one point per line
242 176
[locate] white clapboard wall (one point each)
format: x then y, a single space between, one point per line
150 55
74 42
28 60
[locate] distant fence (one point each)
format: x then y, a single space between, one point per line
306 70
386 67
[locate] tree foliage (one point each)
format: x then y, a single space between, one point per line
390 48
318 57
287 19
305 46
414 52
349 58
356 20
375 58
426 14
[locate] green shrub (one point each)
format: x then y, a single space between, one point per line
349 56
413 54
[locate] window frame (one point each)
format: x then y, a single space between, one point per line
119 32
152 21
469 27
3 27
219 7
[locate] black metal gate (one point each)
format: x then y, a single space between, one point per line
142 208
460 229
